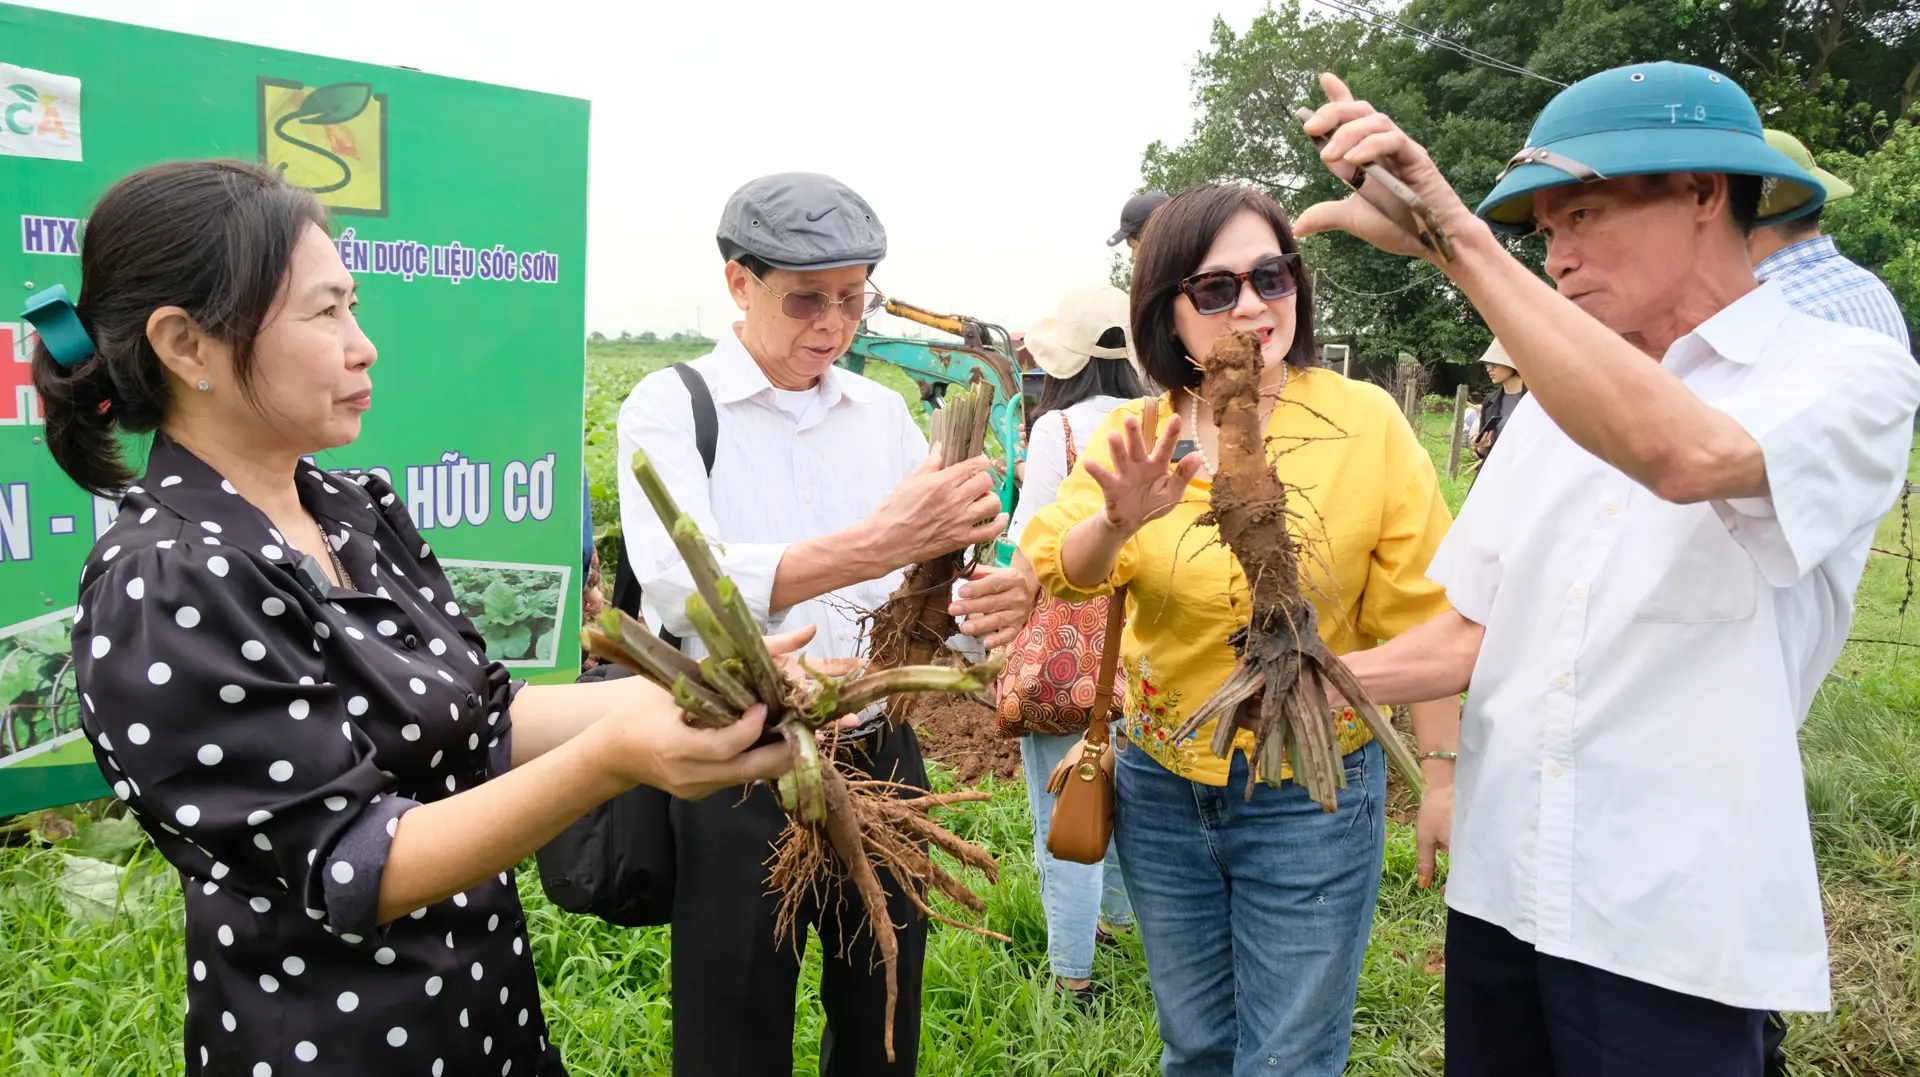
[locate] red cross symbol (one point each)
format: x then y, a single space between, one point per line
19 404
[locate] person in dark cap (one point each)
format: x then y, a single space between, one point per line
819 490
1650 580
1133 218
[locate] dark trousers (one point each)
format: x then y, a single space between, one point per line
1515 1012
1775 1045
733 986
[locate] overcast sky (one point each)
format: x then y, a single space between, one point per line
996 139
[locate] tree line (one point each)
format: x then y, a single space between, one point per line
1841 75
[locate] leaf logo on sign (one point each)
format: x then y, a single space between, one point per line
39 114
329 139
19 115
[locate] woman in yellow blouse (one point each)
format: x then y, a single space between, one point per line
1255 913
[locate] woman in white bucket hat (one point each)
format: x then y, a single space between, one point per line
1499 405
1086 352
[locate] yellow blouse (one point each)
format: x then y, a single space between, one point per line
1370 506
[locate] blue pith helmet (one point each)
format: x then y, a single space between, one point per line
1641 120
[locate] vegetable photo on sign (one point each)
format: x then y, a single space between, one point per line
517 608
38 702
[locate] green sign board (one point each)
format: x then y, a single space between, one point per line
461 208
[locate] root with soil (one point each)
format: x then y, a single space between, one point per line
1278 687
912 629
840 825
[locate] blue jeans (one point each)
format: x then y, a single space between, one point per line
1074 895
1254 914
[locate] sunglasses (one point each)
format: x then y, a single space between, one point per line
1219 291
809 306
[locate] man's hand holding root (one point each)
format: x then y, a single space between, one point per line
1357 135
995 605
935 511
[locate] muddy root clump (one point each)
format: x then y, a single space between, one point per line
1278 688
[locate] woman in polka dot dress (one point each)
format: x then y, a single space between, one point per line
277 680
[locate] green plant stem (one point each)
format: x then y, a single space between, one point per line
716 673
703 707
874 687
712 633
801 791
659 653
761 673
686 534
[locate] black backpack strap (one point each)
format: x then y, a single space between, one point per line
706 423
706 437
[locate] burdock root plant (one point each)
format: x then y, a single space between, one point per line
912 629
840 824
1278 687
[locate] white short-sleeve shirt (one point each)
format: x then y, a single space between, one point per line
1629 793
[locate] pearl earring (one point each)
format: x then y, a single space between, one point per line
202 385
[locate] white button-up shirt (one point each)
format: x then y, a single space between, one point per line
777 479
1629 793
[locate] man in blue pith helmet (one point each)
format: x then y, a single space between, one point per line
1649 582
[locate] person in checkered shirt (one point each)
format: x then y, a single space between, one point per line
1815 276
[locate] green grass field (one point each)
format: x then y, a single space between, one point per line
104 996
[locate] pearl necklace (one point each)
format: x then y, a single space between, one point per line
1193 417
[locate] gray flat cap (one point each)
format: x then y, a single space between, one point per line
801 220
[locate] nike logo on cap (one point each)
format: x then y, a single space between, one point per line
814 218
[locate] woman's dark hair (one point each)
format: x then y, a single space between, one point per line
1100 377
214 238
1177 238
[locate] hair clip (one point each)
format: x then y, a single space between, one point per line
52 315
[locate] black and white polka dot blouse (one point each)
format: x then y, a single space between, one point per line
269 741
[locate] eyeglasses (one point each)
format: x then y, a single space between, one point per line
1218 291
809 306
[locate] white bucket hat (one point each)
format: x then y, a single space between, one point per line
1063 344
1496 354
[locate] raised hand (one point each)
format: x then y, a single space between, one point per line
1141 486
1358 135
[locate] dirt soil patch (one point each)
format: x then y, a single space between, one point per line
961 734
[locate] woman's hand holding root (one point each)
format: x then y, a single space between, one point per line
657 747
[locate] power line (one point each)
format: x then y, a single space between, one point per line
1414 33
1320 278
1390 24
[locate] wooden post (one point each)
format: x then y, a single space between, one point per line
1459 419
1407 404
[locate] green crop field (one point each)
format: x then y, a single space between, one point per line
86 989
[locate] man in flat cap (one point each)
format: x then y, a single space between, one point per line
1649 580
820 489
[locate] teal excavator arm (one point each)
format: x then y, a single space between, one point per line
983 350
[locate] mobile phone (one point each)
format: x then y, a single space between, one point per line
1181 448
